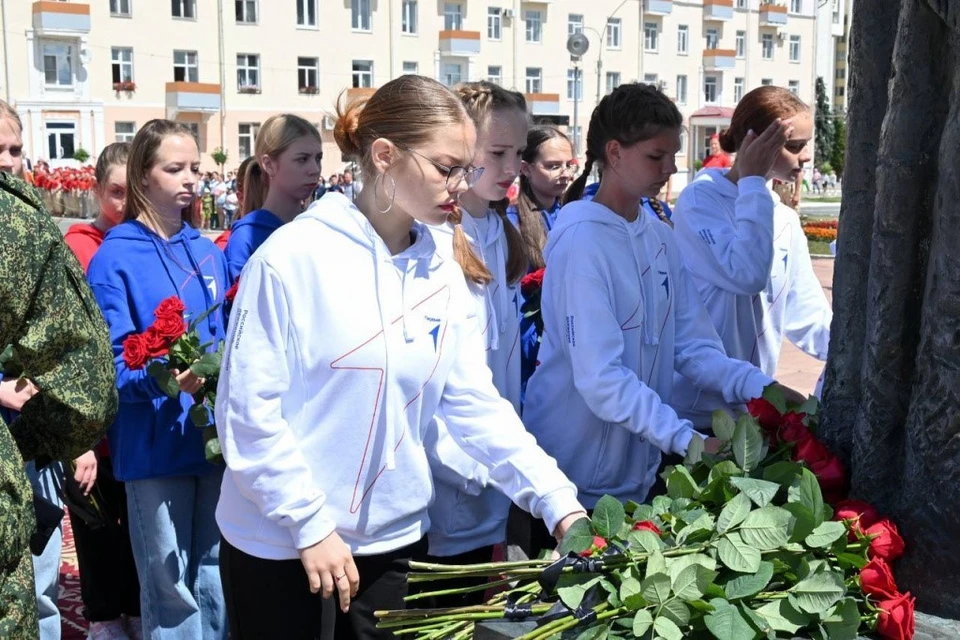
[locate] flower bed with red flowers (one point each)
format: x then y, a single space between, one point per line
756 541
825 230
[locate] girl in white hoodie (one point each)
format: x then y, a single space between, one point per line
746 251
621 314
465 527
348 334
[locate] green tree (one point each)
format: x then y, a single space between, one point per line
839 144
823 125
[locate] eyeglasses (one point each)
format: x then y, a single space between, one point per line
573 168
454 174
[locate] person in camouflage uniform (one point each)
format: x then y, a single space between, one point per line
48 314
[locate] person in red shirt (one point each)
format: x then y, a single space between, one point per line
718 158
111 175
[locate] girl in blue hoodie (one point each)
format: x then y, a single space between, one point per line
288 156
172 491
621 314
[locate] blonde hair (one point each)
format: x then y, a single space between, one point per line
113 155
482 99
253 183
143 157
276 135
6 111
409 111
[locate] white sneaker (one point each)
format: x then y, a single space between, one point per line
134 627
110 630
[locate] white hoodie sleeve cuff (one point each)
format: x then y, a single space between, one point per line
754 385
681 441
311 531
554 507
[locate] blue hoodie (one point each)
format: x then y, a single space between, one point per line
134 271
246 236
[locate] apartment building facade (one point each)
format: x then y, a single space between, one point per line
85 73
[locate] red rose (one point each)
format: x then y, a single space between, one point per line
646 525
598 545
531 283
168 318
232 292
831 474
793 430
876 580
170 306
765 412
896 618
811 451
887 543
135 351
155 344
864 513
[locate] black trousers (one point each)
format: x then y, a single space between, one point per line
482 555
272 599
109 586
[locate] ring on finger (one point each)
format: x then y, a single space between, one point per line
340 577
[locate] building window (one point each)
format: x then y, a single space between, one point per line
246 11
124 131
61 139
841 74
195 132
185 68
248 72
741 44
534 20
122 64
766 82
614 32
411 68
574 23
409 24
308 74
839 92
120 8
796 6
613 80
651 78
794 86
574 88
766 42
58 64
683 39
742 4
184 9
794 48
737 89
360 15
534 77
494 23
650 34
495 74
713 38
306 13
248 137
683 143
362 73
681 90
452 73
710 89
452 16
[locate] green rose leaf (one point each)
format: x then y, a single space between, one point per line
747 444
577 538
723 470
692 582
700 529
811 497
811 407
630 593
817 593
733 512
676 611
728 623
774 395
826 534
782 616
737 555
642 622
783 473
766 528
572 587
595 633
667 629
656 564
608 515
646 540
680 484
802 521
694 451
843 621
723 425
199 416
746 586
656 588
682 562
851 560
641 512
166 381
761 492
661 505
207 366
211 446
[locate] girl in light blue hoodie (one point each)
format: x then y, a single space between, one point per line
156 450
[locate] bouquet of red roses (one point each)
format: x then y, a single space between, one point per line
173 343
531 286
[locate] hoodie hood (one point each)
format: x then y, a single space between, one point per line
259 219
637 234
486 240
86 230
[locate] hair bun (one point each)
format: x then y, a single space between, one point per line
726 141
347 126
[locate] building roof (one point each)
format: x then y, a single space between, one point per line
713 112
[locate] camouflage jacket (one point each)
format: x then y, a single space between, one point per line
48 314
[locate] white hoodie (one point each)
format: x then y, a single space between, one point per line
338 357
460 519
620 315
748 256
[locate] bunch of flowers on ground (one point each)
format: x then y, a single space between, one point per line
820 229
745 544
173 343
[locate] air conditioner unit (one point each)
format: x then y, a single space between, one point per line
506 13
328 123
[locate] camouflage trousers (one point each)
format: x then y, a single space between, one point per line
18 602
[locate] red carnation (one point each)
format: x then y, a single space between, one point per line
598 545
896 618
765 413
876 580
886 542
859 513
155 344
532 282
646 525
135 351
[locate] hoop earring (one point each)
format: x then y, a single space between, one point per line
376 189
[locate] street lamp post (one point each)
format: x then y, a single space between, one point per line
603 42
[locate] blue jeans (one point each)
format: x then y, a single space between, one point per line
176 546
46 567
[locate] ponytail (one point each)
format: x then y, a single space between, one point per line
517 262
575 191
473 267
532 230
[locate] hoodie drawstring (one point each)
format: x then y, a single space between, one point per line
389 429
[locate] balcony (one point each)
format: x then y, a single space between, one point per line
61 17
657 7
543 104
460 43
773 15
718 10
192 97
719 59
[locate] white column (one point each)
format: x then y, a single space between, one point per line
85 134
472 70
84 56
436 65
99 141
39 149
35 74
